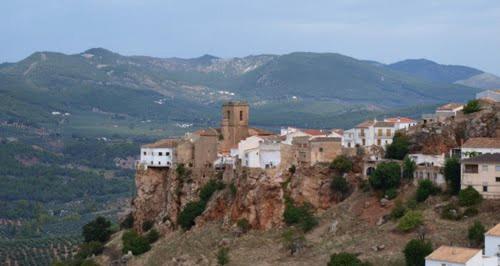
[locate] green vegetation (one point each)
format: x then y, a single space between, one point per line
451 212
128 222
340 186
148 224
300 215
471 212
209 189
452 175
425 189
471 107
391 193
223 256
387 175
345 259
342 164
476 234
399 147
409 167
135 243
415 252
88 249
469 197
243 225
294 240
152 236
97 230
398 211
292 169
410 221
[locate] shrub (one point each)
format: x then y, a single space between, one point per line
412 204
471 107
452 174
451 212
128 222
233 189
152 236
425 189
135 243
476 234
342 164
391 193
244 225
300 215
339 185
410 221
409 167
471 212
345 259
415 252
398 148
209 188
292 169
293 240
89 248
398 211
469 197
386 176
223 256
148 224
189 213
97 230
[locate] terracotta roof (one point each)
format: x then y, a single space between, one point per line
383 124
366 123
164 143
324 139
314 132
482 143
495 231
400 120
484 158
453 254
449 106
253 131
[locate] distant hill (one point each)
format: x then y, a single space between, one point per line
483 80
98 85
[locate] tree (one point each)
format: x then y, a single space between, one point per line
152 236
471 107
97 230
409 167
223 256
410 221
476 234
469 197
342 164
415 252
128 222
189 214
425 189
399 147
387 175
452 174
88 249
340 185
135 243
345 259
301 215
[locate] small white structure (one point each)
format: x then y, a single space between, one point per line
348 139
458 256
419 158
260 152
477 146
428 167
158 154
492 95
401 123
492 242
290 133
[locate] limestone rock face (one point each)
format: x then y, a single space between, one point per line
312 185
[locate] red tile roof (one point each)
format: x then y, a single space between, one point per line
482 143
399 120
314 132
367 123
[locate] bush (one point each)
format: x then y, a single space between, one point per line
410 221
135 243
97 230
425 189
342 164
471 212
409 167
89 248
233 189
128 222
391 193
189 213
398 148
293 241
209 188
472 107
300 215
292 169
148 224
412 204
244 225
339 185
452 174
415 252
469 197
476 234
345 259
223 256
398 211
152 236
451 212
386 176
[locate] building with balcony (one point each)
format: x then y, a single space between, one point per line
482 173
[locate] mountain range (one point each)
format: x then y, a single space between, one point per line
305 89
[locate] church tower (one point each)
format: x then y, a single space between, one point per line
234 125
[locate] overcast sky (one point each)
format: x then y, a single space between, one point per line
463 32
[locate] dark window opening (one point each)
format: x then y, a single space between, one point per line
241 115
228 114
485 188
167 154
320 149
471 168
160 153
497 179
144 153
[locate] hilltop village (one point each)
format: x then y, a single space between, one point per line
245 178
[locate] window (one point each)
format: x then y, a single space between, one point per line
364 142
241 115
320 149
379 142
228 114
380 132
497 168
144 153
160 153
497 179
167 153
485 188
152 163
471 168
484 167
349 145
159 163
388 132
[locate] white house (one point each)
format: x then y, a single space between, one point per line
291 133
370 132
492 95
348 139
458 256
158 154
266 155
478 146
448 110
401 123
492 242
428 167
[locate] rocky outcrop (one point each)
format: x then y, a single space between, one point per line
312 185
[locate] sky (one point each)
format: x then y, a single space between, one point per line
465 32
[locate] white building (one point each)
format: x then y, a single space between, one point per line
492 242
348 139
401 123
158 154
260 152
477 146
370 132
428 167
290 133
492 95
448 110
458 256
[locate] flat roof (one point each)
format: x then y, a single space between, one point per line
495 231
453 254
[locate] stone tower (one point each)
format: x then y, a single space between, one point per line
234 125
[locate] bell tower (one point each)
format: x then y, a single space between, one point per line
234 124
